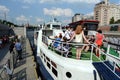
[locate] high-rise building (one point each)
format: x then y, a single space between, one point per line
77 17
104 11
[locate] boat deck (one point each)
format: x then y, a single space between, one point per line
103 70
72 54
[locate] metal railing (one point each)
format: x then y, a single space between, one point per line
6 72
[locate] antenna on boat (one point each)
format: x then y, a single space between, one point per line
54 19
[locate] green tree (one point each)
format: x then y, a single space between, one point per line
112 21
118 21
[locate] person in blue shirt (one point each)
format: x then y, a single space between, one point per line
57 43
18 48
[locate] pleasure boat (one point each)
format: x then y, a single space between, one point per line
57 64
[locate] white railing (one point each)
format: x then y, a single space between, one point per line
46 40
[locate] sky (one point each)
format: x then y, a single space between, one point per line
41 11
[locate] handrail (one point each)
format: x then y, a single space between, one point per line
74 43
108 54
79 44
113 44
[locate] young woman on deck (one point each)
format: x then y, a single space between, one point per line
99 41
79 36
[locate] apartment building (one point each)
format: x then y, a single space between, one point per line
104 11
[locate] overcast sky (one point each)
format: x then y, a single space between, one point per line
40 11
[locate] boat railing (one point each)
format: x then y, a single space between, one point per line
76 44
49 41
45 39
71 48
116 46
111 62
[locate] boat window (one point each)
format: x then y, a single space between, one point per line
53 64
47 32
48 65
56 26
44 57
44 60
55 71
91 26
48 26
47 58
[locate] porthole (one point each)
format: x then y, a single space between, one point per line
68 74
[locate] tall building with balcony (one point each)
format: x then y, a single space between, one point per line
104 11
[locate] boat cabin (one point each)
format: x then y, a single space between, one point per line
89 26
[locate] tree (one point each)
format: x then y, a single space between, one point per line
118 21
112 21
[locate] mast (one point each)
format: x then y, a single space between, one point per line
106 2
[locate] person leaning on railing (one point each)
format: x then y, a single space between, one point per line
79 37
56 43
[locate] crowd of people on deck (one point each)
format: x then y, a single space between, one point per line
76 34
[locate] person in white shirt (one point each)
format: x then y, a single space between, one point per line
67 33
79 37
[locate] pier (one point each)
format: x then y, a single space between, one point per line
13 69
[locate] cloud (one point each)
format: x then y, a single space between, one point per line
4 9
51 1
26 1
22 19
39 20
70 1
83 1
58 12
90 14
29 1
66 21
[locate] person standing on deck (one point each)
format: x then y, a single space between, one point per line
18 48
67 34
79 36
11 47
98 41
